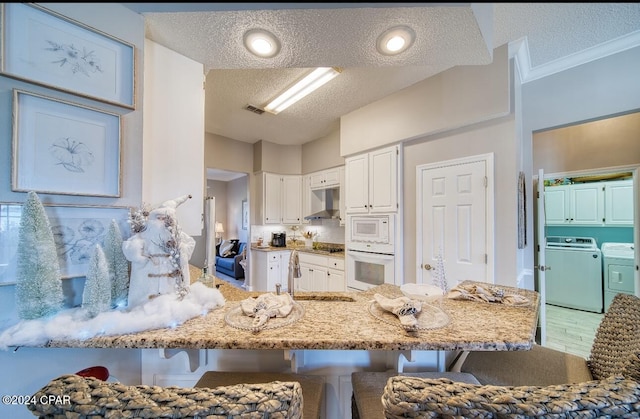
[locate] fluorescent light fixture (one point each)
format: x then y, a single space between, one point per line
261 43
395 40
308 84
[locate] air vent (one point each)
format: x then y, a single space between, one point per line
254 109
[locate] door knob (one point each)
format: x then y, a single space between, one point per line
428 267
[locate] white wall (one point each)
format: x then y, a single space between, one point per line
26 370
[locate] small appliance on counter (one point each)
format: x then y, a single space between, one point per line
279 239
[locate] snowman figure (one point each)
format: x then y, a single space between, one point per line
159 254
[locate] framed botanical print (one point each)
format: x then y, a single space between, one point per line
64 148
46 48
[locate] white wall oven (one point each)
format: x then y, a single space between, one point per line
370 254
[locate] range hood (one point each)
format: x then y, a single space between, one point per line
325 198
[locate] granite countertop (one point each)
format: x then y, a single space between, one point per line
322 250
343 321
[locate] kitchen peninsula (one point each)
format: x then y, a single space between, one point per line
335 336
343 321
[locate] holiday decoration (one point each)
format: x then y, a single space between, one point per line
118 265
439 276
96 297
159 253
38 284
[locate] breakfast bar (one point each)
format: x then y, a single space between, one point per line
343 321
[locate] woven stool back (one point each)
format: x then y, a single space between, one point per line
617 339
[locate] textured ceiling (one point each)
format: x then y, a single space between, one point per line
344 35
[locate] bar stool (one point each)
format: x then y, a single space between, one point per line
366 401
312 385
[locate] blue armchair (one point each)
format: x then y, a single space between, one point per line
228 263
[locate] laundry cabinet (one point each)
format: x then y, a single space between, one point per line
577 204
618 203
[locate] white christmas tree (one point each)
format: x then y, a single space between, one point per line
38 284
96 297
118 265
439 276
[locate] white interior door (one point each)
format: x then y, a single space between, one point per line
452 220
541 267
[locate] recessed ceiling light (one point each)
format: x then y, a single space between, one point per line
261 43
395 40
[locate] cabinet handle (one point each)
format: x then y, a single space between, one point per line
428 267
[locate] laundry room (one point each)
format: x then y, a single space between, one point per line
590 175
589 240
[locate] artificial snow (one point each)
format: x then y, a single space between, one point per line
76 323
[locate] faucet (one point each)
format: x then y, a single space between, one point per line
294 271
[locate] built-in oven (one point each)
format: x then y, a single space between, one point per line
366 270
370 258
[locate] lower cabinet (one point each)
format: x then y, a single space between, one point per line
268 269
320 273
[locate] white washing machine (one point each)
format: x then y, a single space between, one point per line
573 278
618 268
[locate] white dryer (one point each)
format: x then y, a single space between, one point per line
618 270
573 278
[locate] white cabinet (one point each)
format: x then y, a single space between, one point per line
306 197
618 203
320 273
343 204
268 269
578 204
372 182
325 179
281 199
597 203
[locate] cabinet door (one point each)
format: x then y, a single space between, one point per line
318 279
335 281
331 178
556 202
618 197
316 180
304 282
383 180
341 197
357 184
306 198
587 204
274 273
291 199
272 199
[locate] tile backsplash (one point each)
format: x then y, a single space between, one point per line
329 231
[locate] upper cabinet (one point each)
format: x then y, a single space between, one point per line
324 179
281 199
590 204
618 203
371 182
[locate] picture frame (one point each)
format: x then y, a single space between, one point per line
46 48
76 231
64 148
245 214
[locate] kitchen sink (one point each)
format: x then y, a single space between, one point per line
322 297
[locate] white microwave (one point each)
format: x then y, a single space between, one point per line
373 233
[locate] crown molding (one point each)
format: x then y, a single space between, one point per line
519 50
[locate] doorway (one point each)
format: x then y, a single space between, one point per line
231 192
579 154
